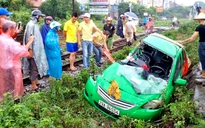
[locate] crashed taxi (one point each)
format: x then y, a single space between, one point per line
143 82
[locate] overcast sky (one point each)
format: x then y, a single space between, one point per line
187 2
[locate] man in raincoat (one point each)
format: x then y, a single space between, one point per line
53 51
10 63
37 61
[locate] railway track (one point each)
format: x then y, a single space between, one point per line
117 45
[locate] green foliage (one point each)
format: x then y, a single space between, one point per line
137 9
15 5
188 28
98 17
171 34
21 10
177 114
178 11
121 54
23 15
63 105
59 9
126 122
170 13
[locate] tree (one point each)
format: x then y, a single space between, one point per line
136 8
21 9
178 11
58 8
15 5
123 7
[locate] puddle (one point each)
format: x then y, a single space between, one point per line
198 88
199 98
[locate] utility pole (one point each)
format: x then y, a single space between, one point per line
73 5
152 3
163 7
130 6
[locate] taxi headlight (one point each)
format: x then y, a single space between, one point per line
153 104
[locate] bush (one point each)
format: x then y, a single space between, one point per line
23 15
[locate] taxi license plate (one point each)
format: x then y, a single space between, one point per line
108 107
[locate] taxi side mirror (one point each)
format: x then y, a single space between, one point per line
181 82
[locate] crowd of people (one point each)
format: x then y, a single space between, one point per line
40 53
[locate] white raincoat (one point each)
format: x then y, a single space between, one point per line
37 47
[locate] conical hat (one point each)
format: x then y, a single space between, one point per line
200 16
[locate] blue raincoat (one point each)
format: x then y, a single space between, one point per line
44 30
145 20
53 53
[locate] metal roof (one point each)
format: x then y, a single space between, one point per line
164 44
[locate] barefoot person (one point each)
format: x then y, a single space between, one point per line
37 63
70 33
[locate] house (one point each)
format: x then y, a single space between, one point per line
36 3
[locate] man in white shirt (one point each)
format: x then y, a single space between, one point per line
174 21
130 29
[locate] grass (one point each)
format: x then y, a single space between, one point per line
64 105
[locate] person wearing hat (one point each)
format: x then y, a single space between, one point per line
53 51
86 29
111 28
199 31
4 14
70 34
36 63
130 29
45 27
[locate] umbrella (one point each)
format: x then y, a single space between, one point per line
131 14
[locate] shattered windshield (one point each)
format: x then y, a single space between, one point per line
147 69
142 83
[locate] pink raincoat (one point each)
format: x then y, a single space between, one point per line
149 26
10 66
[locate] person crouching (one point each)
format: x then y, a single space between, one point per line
98 42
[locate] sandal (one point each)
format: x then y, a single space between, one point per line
73 69
36 90
200 78
41 85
